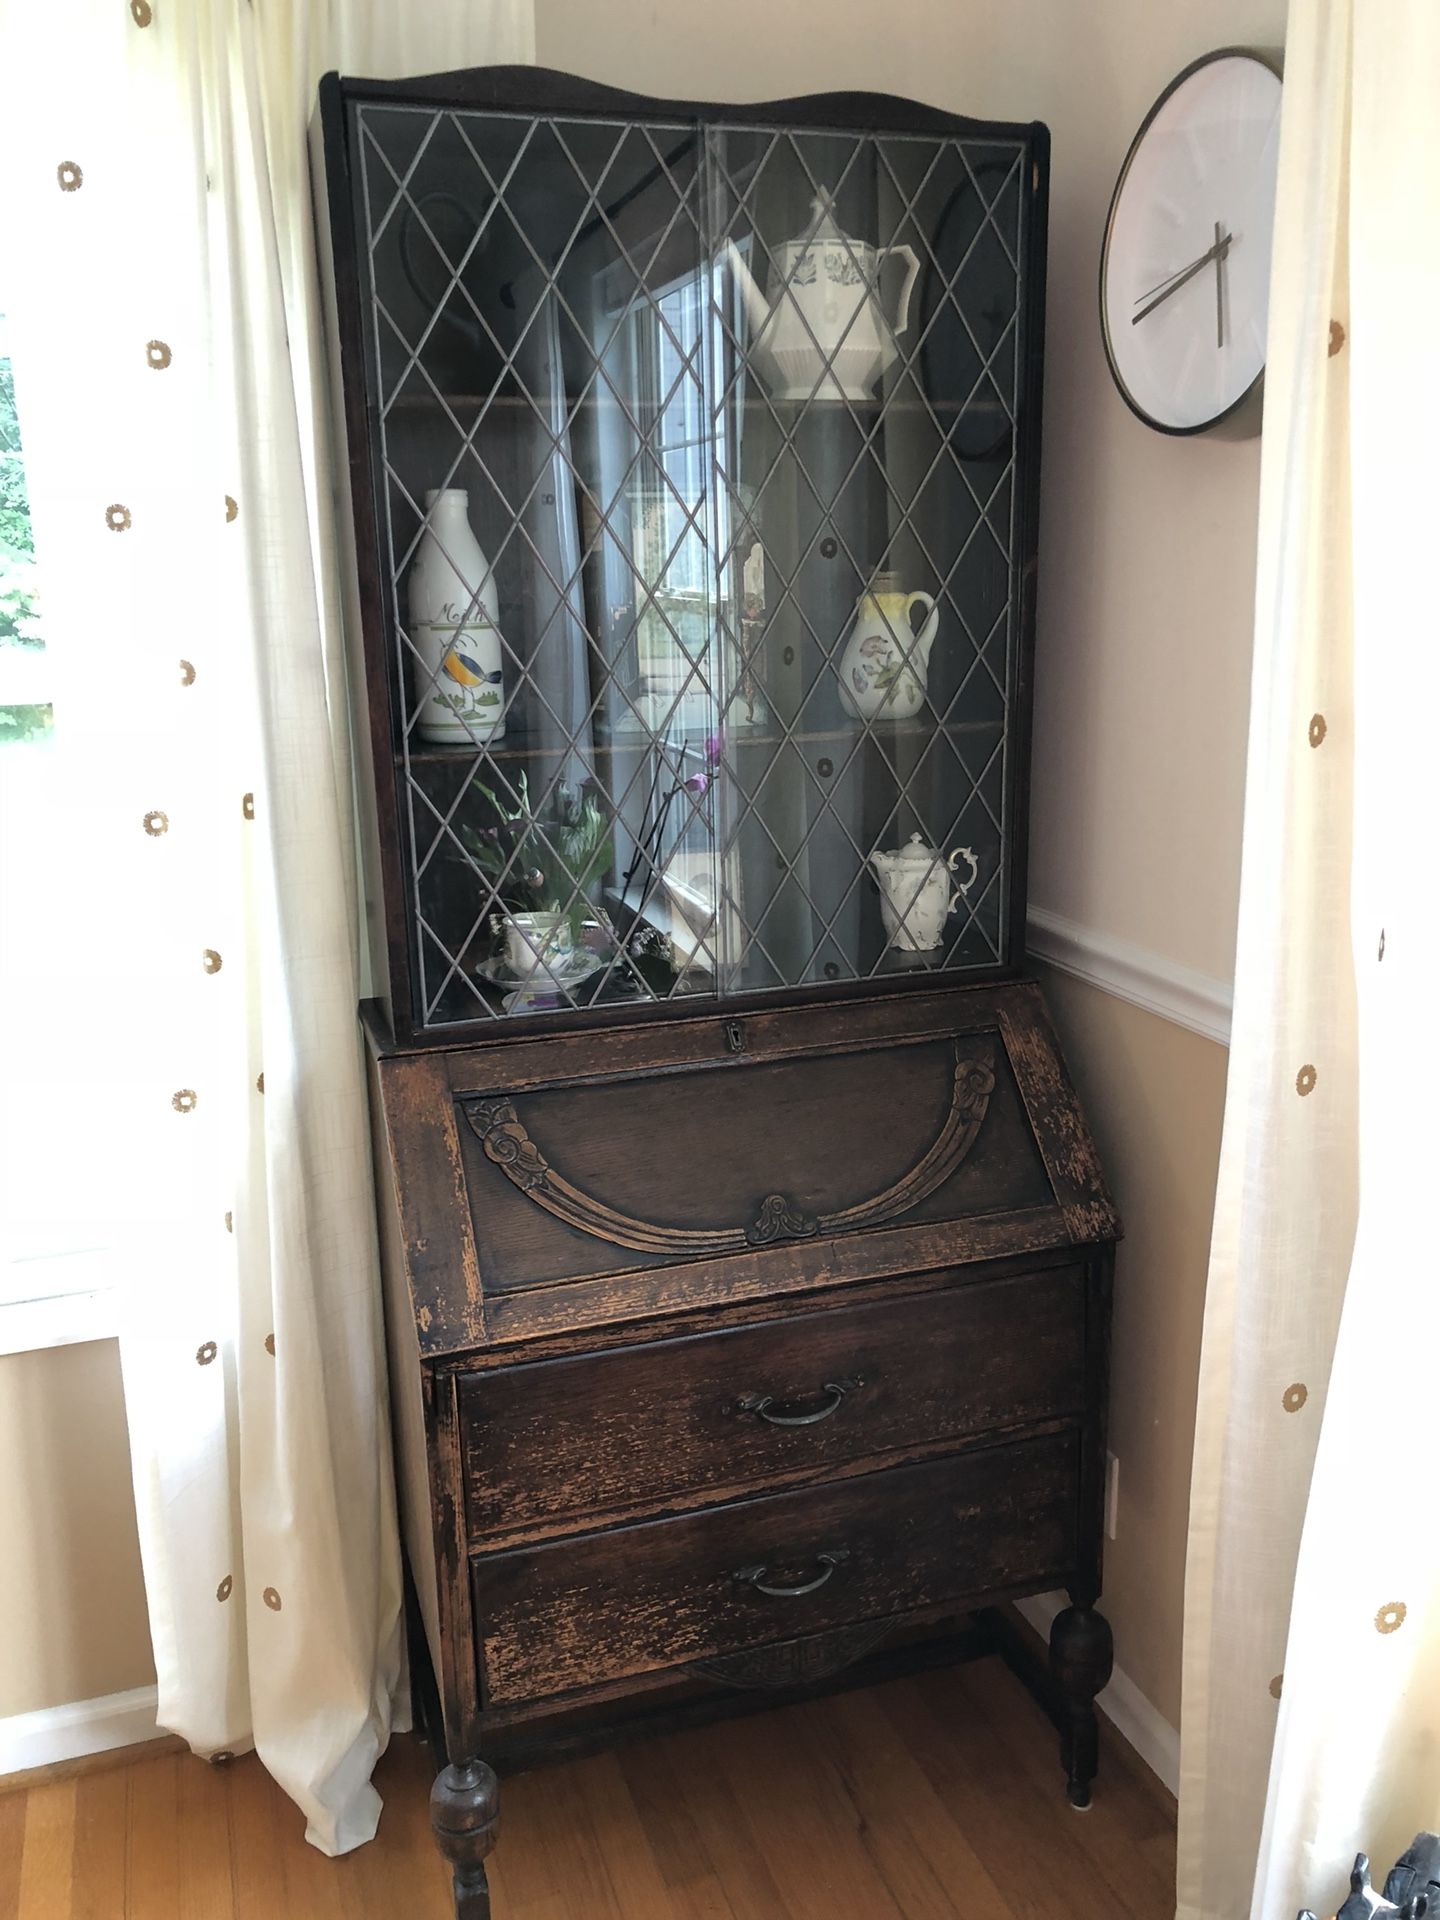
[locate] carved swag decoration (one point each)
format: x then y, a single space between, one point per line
500 1130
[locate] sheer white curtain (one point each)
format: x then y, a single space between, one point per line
1311 1714
195 1048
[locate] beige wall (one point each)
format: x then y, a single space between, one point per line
1154 1094
72 1604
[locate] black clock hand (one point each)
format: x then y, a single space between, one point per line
1219 291
1217 252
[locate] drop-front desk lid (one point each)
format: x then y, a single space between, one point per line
546 1186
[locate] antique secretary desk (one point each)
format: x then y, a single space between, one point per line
747 1256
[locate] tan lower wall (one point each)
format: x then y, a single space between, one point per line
1154 1093
72 1602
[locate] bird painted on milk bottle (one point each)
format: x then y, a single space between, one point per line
454 628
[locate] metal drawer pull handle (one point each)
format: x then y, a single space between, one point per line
761 1403
827 1562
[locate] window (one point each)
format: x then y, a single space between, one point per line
56 1264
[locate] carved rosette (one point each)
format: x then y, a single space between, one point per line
779 1219
500 1130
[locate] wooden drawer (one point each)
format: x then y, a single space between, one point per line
581 1612
636 1427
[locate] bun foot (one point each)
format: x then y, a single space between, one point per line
465 1817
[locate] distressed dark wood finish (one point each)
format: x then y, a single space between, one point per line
617 1239
578 1612
465 1817
561 1442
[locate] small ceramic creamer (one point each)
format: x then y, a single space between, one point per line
459 678
885 661
915 892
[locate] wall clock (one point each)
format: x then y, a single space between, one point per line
1185 266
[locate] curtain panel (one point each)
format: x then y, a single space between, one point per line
1311 1710
206 1059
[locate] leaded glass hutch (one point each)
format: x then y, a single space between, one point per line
693 462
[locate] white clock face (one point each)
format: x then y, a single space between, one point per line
1185 276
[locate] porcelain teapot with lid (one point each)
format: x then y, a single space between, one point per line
820 331
915 892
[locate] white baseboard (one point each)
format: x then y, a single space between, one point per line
53 1734
1146 979
1133 1717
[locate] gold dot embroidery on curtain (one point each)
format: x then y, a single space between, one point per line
1337 339
225 1589
155 823
184 1101
232 507
1305 1081
157 355
117 518
260 1083
229 1223
270 1345
1390 1617
271 1599
211 960
1318 729
247 806
1295 1396
204 1355
141 12
1276 1685
69 176
187 674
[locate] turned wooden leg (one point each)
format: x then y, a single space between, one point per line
465 1815
1082 1653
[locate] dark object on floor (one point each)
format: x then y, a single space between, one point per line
1412 1886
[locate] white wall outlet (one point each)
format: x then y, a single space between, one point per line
1112 1494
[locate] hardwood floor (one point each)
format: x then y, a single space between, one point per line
924 1799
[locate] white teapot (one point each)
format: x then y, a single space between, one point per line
823 332
915 895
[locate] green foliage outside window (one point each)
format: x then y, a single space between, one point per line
19 622
19 595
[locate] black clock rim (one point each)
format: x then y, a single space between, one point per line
1262 57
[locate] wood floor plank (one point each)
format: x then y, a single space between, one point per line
1007 1828
12 1849
802 1818
259 1835
98 1864
634 1871
48 1853
680 1853
918 1848
523 1872
152 1872
1121 1818
207 1886
724 1831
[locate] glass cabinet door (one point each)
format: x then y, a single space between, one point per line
866 398
695 485
540 304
